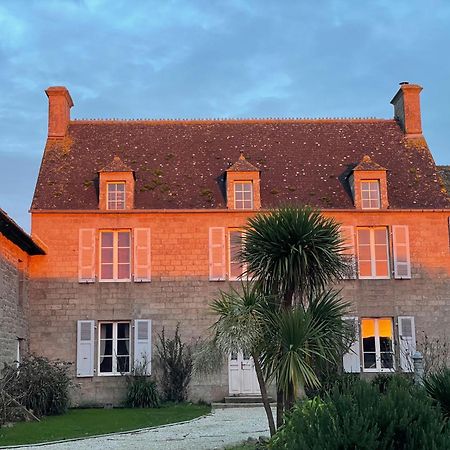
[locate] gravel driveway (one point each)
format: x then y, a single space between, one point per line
223 427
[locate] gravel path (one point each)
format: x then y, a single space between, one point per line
222 428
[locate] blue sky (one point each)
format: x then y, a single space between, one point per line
228 58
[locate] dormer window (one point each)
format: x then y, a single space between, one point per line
116 195
368 184
243 195
370 194
116 186
243 190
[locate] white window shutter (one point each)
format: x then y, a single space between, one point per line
86 255
143 344
351 360
407 342
142 255
402 262
85 348
348 236
217 264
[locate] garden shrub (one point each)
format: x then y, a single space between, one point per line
437 386
142 391
175 362
40 385
356 415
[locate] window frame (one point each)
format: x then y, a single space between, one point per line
115 262
114 355
230 262
243 182
115 183
373 259
378 368
370 182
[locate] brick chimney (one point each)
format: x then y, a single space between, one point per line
407 109
59 104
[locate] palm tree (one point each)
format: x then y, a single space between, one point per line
240 327
294 253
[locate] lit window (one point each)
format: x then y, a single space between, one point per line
114 348
243 195
236 267
370 194
377 343
115 255
373 252
116 195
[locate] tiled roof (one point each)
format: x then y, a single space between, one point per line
367 164
242 165
444 172
18 236
177 162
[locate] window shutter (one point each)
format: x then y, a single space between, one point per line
142 255
402 263
217 266
143 344
351 360
407 342
85 348
348 236
86 256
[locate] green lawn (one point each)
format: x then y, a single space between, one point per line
88 422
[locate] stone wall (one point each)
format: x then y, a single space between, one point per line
180 291
13 301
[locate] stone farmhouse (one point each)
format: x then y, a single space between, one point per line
140 222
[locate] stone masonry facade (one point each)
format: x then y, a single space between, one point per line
14 304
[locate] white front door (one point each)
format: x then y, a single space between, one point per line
242 375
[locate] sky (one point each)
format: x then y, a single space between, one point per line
208 59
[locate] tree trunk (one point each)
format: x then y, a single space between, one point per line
280 407
264 396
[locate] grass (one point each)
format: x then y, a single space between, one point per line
88 422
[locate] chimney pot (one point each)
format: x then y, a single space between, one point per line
59 104
406 104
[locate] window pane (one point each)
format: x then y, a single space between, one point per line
123 364
370 361
364 252
124 255
123 330
381 252
380 235
382 269
106 331
365 269
107 255
387 360
120 205
123 347
120 187
107 239
106 347
124 239
124 271
107 272
106 364
363 236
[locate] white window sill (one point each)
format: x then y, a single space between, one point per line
107 374
373 278
115 281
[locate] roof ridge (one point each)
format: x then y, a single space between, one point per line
233 120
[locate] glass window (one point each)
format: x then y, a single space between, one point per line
377 344
115 255
243 195
114 348
373 252
370 194
116 196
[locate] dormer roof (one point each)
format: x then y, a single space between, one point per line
242 165
116 165
368 164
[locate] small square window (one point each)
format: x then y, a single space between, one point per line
243 195
370 194
116 196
